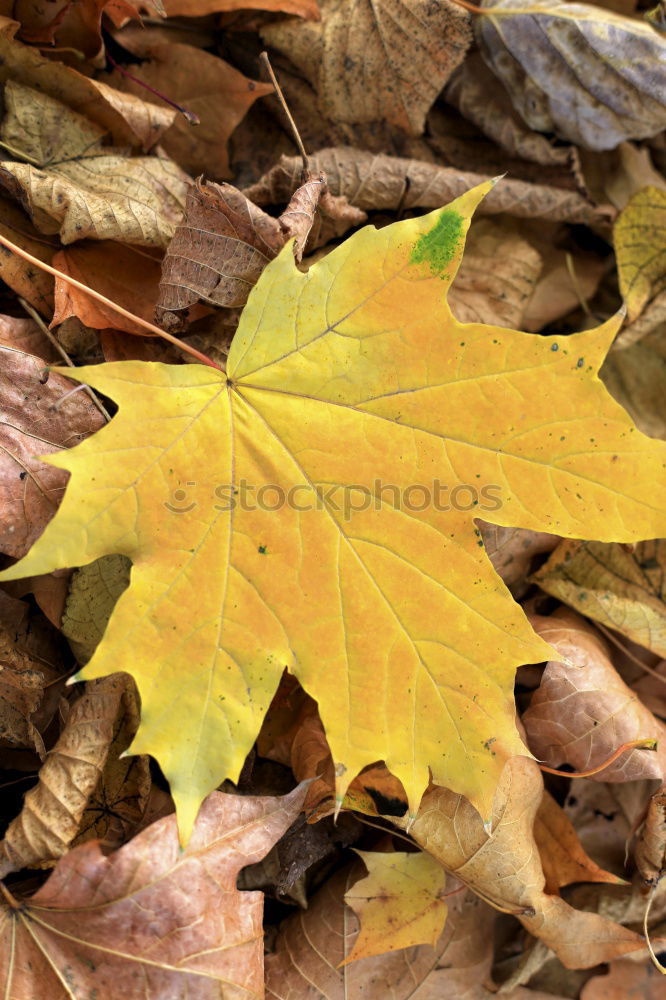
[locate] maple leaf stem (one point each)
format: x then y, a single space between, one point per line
278 90
645 744
627 652
155 330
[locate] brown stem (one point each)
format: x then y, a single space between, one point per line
278 90
188 115
645 744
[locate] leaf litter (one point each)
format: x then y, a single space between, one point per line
497 873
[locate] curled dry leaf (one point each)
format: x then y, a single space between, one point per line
651 319
38 416
373 62
311 945
650 852
384 183
639 236
75 186
129 120
505 869
623 588
586 74
204 84
102 721
583 711
93 592
398 904
152 920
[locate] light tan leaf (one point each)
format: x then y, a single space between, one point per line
626 980
378 62
129 120
504 866
563 858
623 588
36 418
639 237
604 816
497 275
150 921
93 592
586 74
399 903
565 281
378 183
79 188
24 334
583 711
105 716
204 84
651 319
312 944
28 281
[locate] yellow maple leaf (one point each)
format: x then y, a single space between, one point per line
314 509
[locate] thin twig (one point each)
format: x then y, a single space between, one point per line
646 931
646 744
393 833
188 115
278 90
155 330
63 354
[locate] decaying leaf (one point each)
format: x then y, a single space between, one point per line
207 86
21 692
636 375
512 550
625 980
563 858
584 73
151 920
621 587
76 186
101 721
639 236
93 592
651 845
26 280
505 869
297 384
38 417
379 183
398 904
583 711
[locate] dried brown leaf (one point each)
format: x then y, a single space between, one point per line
24 334
152 920
36 418
583 711
512 550
25 279
650 850
384 183
199 8
626 980
21 691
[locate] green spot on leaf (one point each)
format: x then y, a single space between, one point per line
439 246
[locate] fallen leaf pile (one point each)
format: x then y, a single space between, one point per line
332 606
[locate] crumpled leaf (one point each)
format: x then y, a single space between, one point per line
583 711
374 62
312 944
375 182
65 25
21 691
623 588
505 869
297 384
80 188
32 284
102 721
636 375
650 852
203 83
93 592
399 903
639 236
35 419
150 920
586 74
650 320
563 858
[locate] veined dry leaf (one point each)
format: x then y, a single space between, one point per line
361 349
505 869
378 62
201 82
93 592
476 93
127 119
75 186
37 418
378 183
586 74
626 980
621 587
127 275
152 920
25 279
312 944
583 710
200 8
105 717
398 904
21 691
23 334
497 275
639 236
563 857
